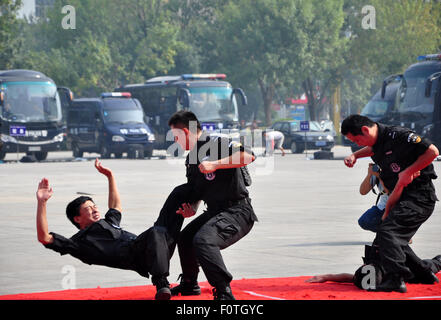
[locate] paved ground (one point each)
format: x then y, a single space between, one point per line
308 211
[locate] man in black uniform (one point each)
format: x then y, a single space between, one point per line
217 175
103 242
407 171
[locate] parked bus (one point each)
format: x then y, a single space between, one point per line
31 117
418 105
211 99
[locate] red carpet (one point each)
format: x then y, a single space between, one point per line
247 289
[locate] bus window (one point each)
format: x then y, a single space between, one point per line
213 103
32 101
411 94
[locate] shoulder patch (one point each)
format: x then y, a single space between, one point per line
413 138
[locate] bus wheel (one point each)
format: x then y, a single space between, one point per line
2 154
40 156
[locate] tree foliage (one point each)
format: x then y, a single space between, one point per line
276 43
9 42
404 30
278 48
123 41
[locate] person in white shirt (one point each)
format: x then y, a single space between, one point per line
273 140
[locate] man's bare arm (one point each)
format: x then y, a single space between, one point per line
362 153
406 176
365 185
340 277
44 192
114 201
237 160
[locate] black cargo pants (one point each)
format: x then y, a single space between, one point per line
153 249
413 209
202 240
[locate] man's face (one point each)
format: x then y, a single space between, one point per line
89 214
181 137
367 137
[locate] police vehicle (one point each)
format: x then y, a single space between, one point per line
112 124
208 96
31 118
418 105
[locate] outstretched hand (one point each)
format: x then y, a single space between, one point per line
105 171
44 191
350 161
186 210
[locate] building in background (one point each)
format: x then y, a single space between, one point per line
34 8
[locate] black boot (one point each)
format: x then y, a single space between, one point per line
223 293
392 282
187 287
162 289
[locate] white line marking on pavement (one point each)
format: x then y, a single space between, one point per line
263 296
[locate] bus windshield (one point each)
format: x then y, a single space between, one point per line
412 97
123 116
213 103
375 108
30 102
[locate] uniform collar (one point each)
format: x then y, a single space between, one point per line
203 139
380 135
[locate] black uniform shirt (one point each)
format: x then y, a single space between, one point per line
396 149
220 186
102 243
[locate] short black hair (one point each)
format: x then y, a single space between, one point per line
183 118
354 123
73 209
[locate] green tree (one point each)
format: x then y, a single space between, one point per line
322 61
9 42
122 41
404 30
194 19
276 43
